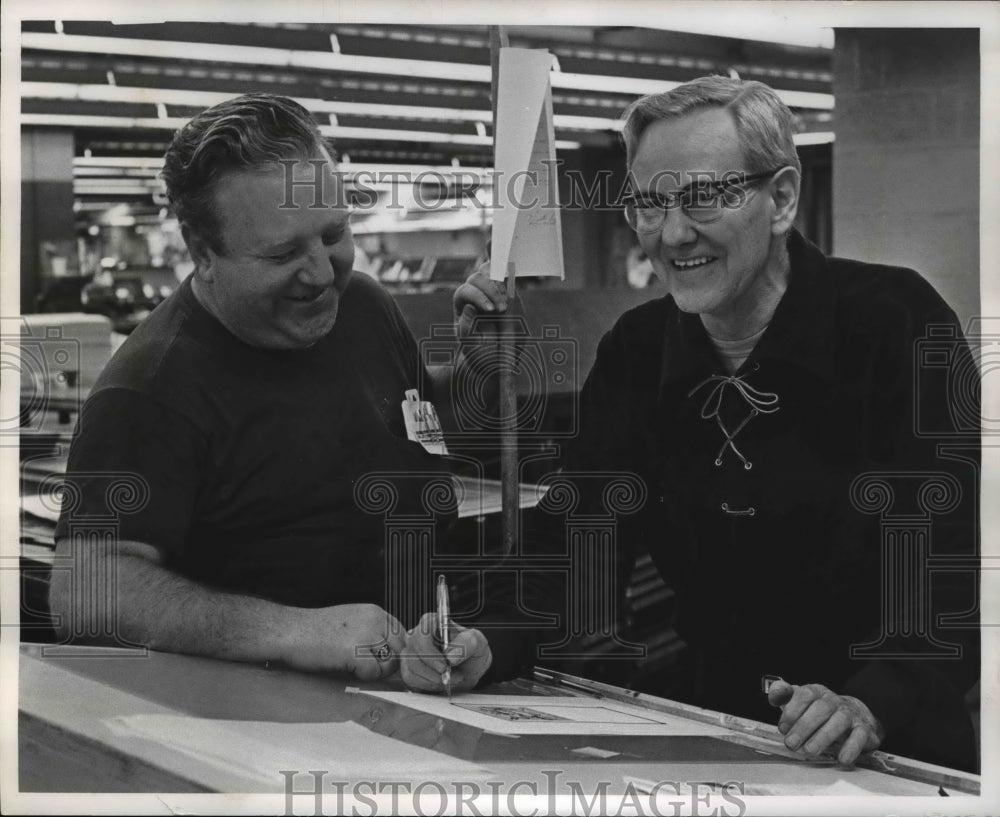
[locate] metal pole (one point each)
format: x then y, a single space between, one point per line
506 355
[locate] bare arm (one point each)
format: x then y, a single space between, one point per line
156 607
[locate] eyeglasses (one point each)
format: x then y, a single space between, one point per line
701 201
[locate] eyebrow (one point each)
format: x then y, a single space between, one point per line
654 196
279 248
332 229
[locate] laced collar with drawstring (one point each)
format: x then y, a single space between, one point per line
759 402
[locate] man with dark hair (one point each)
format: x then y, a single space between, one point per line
755 400
244 411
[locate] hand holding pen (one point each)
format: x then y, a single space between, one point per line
443 660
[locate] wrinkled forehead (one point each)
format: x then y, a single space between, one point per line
695 147
296 180
283 195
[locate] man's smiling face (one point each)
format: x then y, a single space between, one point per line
717 268
277 278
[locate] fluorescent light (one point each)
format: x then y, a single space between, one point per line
350 169
423 69
256 55
152 96
806 99
633 86
81 121
150 162
110 171
422 136
404 135
571 122
91 206
815 138
121 93
111 191
410 171
150 180
747 24
103 187
445 222
639 87
175 122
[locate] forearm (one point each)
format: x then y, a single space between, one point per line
151 605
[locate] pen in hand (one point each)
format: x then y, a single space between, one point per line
443 625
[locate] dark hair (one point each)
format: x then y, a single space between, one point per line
764 123
250 132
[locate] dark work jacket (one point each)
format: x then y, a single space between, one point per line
848 461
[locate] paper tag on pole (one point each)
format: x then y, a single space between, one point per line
422 423
527 229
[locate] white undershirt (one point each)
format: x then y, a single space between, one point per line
734 352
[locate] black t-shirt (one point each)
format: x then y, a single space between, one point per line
244 462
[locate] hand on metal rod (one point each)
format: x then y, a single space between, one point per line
818 721
478 296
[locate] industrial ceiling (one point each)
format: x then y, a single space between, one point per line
387 95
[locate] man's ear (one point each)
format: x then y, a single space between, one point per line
785 195
201 253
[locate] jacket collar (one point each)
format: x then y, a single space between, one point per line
801 332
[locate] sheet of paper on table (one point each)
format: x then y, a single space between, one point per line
250 754
550 715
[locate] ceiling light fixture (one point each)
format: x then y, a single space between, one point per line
815 138
426 69
196 99
175 122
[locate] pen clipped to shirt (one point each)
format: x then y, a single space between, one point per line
443 620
